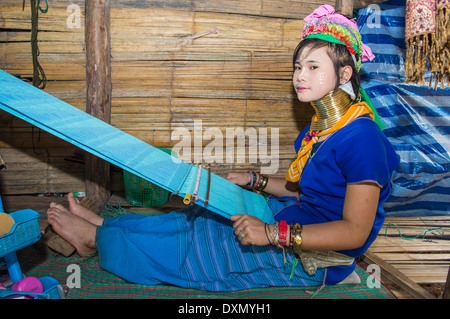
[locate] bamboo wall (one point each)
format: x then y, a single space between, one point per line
174 62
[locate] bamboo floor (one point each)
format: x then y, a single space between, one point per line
412 253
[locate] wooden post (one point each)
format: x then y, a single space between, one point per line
345 7
99 87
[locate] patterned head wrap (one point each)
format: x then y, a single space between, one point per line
325 25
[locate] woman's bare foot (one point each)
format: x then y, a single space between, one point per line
76 230
76 208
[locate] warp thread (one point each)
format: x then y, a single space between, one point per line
432 230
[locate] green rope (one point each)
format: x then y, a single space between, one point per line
432 230
114 210
313 294
294 264
40 9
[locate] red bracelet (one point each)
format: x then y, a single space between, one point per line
282 233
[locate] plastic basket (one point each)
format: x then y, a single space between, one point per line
24 232
142 193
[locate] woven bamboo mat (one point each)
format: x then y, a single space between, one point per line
99 284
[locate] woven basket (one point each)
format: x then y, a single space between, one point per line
142 193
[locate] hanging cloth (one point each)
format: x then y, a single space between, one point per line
426 33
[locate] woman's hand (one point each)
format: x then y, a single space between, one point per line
251 230
275 186
239 178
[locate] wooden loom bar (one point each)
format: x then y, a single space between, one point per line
99 88
398 277
446 292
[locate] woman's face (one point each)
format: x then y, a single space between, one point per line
314 74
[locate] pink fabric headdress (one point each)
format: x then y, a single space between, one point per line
324 24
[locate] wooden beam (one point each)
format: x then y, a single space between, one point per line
358 4
398 277
99 87
446 292
345 7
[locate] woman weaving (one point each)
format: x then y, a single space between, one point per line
343 169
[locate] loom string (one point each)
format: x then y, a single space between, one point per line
183 180
208 189
291 276
39 78
319 288
197 183
432 230
191 186
316 292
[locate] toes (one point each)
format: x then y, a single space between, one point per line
72 199
54 205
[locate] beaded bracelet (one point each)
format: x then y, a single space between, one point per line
263 184
258 181
252 179
291 237
275 235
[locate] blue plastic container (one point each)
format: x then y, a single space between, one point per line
24 232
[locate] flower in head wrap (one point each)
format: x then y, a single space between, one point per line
325 25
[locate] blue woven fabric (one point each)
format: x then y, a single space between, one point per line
124 150
417 118
193 248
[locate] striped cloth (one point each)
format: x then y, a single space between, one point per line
97 283
416 117
193 248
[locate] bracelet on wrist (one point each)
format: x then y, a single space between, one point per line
274 234
252 179
262 183
297 240
258 181
267 236
282 234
